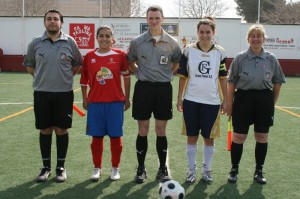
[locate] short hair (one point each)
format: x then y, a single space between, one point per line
256 27
207 20
155 8
54 11
102 28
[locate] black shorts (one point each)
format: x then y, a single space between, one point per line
202 117
53 109
152 97
253 107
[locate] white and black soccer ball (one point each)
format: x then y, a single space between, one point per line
171 190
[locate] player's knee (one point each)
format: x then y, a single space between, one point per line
261 137
209 142
60 131
239 138
47 131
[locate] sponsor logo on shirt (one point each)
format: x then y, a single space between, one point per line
103 74
204 69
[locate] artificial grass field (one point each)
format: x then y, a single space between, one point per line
20 158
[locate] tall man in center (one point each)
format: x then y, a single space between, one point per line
153 57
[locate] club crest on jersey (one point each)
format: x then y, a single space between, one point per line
93 61
111 61
63 56
103 74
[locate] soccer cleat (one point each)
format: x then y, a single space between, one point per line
141 174
163 174
44 175
61 174
233 175
258 177
206 177
115 174
96 174
191 177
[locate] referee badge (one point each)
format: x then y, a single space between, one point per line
164 59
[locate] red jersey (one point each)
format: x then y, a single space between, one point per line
102 73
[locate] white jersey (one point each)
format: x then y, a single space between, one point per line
203 70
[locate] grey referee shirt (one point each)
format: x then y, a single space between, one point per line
53 62
251 72
154 58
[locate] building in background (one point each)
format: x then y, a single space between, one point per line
76 8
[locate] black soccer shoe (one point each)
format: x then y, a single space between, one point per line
44 175
258 177
233 175
163 174
141 175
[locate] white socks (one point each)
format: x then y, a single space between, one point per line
191 152
208 154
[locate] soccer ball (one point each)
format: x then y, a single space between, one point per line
171 190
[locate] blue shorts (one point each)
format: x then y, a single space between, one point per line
105 119
202 117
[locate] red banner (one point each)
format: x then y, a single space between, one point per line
84 35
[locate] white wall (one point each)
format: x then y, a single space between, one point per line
11 36
230 33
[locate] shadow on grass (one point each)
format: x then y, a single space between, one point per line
28 190
226 191
198 190
141 193
83 190
254 191
32 189
230 191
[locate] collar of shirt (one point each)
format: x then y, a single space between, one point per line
162 38
251 55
